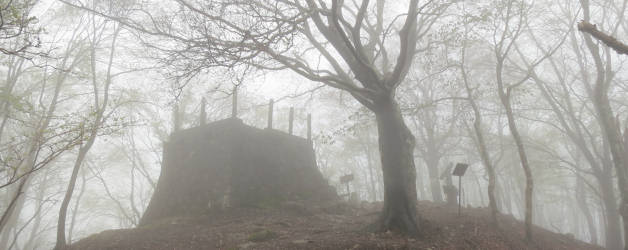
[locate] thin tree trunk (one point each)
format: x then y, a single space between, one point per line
479 139
61 241
93 133
9 211
526 168
504 96
41 190
584 207
371 169
490 170
76 207
483 150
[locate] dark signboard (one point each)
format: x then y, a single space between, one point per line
460 169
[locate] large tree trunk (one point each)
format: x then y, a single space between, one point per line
611 132
396 146
611 214
431 161
617 152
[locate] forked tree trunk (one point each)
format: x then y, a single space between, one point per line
396 146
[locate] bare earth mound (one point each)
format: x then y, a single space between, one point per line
332 226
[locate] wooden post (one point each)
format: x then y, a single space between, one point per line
291 120
270 113
309 127
459 194
234 104
203 112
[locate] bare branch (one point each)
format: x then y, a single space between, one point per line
610 41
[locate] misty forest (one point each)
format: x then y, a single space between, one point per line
313 124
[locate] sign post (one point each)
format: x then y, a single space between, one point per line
459 171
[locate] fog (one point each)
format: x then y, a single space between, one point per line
349 117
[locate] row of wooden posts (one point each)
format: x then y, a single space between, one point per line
234 114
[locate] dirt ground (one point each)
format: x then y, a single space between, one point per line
331 226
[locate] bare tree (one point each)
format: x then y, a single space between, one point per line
479 138
435 129
353 40
606 118
43 147
101 113
513 14
570 112
510 25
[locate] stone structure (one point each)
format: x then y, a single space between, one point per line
227 163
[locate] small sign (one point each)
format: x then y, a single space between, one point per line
346 178
460 169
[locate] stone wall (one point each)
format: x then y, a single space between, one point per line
227 163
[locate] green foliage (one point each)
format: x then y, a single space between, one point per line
17 102
19 31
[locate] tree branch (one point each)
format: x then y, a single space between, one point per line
610 41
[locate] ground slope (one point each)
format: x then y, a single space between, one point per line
331 226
